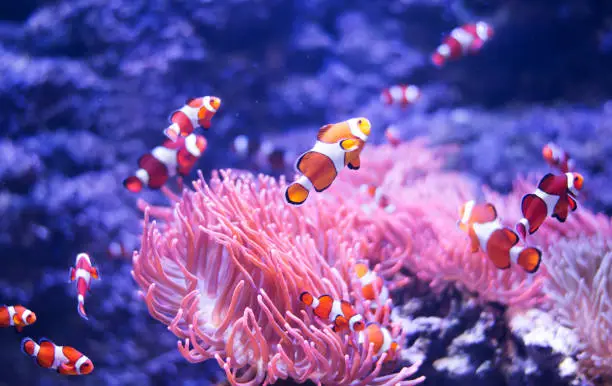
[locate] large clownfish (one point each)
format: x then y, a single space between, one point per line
467 39
338 145
339 312
197 112
382 340
498 242
66 360
554 197
16 316
166 161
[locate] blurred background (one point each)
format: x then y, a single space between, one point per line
86 87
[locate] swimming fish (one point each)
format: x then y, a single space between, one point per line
264 153
486 232
339 312
337 145
554 197
557 158
197 112
166 161
371 284
380 199
402 95
66 360
382 340
83 271
16 316
393 136
467 39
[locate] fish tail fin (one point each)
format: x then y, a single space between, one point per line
521 227
81 308
529 259
28 346
297 193
133 184
306 298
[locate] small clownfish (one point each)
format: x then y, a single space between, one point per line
371 284
402 95
264 154
339 312
16 316
83 271
66 360
554 197
382 340
393 136
467 39
486 232
197 112
166 161
557 158
380 198
337 145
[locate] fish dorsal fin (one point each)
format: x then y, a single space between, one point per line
511 235
490 211
189 100
546 181
323 130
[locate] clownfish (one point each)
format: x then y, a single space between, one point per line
337 145
554 197
382 340
380 199
393 136
83 271
16 316
339 312
467 39
197 112
371 284
166 161
498 242
557 158
402 95
66 360
264 153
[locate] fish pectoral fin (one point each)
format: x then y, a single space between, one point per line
72 274
66 368
348 145
19 328
340 322
94 273
572 203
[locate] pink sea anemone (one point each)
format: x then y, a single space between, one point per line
225 269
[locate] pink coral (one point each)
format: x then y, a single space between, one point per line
225 271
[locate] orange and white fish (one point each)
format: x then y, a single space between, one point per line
66 360
557 158
486 232
393 136
265 154
382 340
83 271
371 285
467 39
338 312
554 197
16 316
197 112
402 95
166 161
380 199
338 145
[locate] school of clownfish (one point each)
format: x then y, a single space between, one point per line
337 146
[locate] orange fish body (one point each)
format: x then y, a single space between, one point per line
339 312
467 39
500 243
82 272
338 145
66 360
382 340
557 158
554 197
16 316
168 160
197 112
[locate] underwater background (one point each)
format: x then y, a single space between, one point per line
86 87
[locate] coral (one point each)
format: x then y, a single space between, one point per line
225 271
